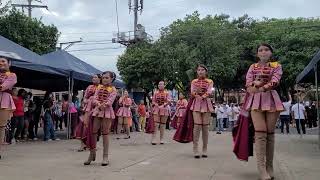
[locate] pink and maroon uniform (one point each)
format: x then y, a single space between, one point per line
269 75
181 107
104 95
202 87
124 110
89 97
7 81
161 99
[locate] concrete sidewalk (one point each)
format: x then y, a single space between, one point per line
136 159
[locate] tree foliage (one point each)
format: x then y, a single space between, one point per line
29 33
227 46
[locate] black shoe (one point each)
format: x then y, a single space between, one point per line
104 164
204 156
197 157
127 137
154 143
218 132
162 143
0 156
86 163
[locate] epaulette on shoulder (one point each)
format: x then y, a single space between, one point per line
274 64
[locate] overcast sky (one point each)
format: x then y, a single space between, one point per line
95 20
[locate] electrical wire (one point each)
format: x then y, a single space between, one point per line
96 49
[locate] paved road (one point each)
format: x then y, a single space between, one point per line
135 159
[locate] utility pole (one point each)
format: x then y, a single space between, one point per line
71 43
137 6
139 34
29 6
135 10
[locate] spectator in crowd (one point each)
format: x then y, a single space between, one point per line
142 116
18 115
299 114
313 114
57 114
73 109
225 115
37 113
235 111
29 116
65 106
219 112
135 123
308 120
48 128
213 124
285 115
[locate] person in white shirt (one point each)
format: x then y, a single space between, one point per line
299 114
225 115
235 114
285 115
231 116
219 112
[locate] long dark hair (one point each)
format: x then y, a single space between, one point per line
204 67
99 76
268 46
111 74
47 95
20 93
8 60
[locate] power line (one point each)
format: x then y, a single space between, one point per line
111 55
88 44
92 32
102 32
97 41
96 49
29 6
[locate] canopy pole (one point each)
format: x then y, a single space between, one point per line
68 115
70 101
317 98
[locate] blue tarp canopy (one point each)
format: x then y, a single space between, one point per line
78 69
52 74
29 67
307 75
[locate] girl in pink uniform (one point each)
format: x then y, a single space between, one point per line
201 89
161 111
7 81
87 109
181 108
124 114
103 114
265 106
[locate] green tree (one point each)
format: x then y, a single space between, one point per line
191 41
29 33
227 46
140 67
295 41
